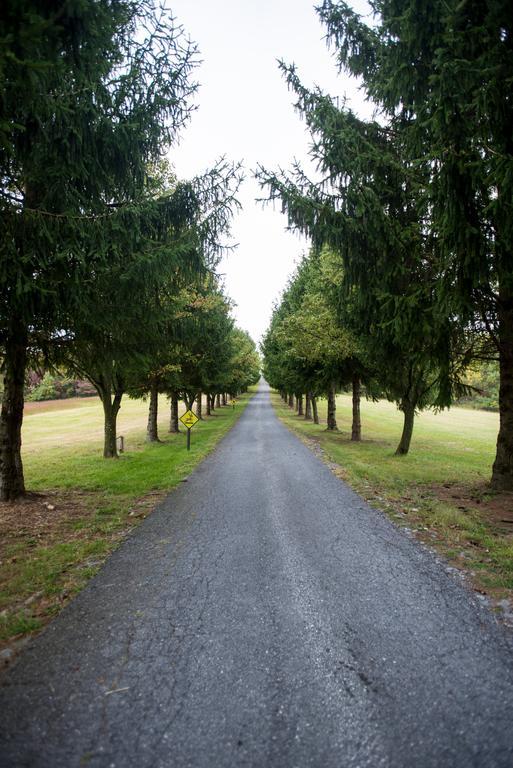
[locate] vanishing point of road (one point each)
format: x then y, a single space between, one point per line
265 616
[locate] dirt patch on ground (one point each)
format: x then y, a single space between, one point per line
496 507
42 518
32 526
46 518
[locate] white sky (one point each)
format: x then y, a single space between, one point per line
245 112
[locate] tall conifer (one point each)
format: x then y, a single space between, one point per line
90 94
442 72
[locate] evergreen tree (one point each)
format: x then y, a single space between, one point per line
368 210
442 75
306 350
243 368
129 313
90 94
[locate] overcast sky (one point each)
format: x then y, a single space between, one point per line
245 112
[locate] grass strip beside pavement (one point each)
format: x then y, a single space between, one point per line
81 506
440 490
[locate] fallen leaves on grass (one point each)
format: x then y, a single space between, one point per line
496 507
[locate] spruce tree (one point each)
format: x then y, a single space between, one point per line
368 211
442 74
91 93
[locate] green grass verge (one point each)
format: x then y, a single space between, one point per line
440 489
82 505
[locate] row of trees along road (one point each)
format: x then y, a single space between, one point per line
106 258
201 353
321 340
417 203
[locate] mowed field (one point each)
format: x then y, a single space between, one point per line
63 446
451 446
79 421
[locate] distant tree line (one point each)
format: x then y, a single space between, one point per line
415 207
107 263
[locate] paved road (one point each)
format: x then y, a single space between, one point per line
264 615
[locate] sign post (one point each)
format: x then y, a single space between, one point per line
189 419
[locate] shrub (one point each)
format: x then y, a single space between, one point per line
52 388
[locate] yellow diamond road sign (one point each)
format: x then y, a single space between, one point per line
189 419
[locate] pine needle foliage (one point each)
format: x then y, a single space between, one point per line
442 74
411 200
92 95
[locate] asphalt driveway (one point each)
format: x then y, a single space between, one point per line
264 615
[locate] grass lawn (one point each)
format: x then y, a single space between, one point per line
62 447
440 489
80 505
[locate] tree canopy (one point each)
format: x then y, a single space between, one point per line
414 201
98 237
442 75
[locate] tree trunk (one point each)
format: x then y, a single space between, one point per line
111 408
12 484
314 410
332 410
224 398
208 404
173 422
502 473
291 401
152 433
199 412
408 408
356 429
189 399
212 403
218 400
300 405
308 406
